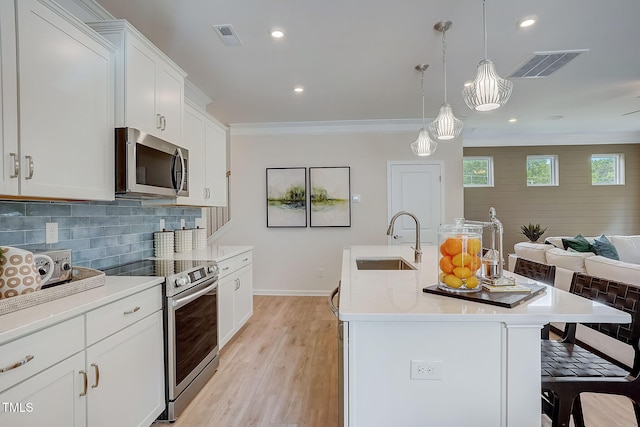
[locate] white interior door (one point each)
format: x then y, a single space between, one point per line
415 187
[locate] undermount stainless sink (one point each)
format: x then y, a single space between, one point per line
383 264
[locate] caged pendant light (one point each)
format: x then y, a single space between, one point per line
424 145
488 91
446 125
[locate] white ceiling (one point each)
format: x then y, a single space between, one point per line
356 59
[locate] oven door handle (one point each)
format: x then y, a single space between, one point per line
181 302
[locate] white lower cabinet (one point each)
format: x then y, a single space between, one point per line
126 386
116 378
50 398
235 295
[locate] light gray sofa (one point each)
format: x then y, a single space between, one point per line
626 270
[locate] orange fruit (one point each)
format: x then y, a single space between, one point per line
452 281
474 263
471 282
446 265
443 251
461 259
473 246
462 272
453 246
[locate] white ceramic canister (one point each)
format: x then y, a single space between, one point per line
183 240
199 238
163 243
19 274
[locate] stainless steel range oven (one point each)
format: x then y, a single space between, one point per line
191 325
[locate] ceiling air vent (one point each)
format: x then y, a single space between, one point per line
228 35
542 64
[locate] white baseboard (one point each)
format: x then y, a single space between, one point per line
292 292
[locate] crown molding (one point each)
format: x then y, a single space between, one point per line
487 139
93 11
326 127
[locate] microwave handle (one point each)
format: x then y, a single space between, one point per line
183 174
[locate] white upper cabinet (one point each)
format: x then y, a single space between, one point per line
206 141
149 86
61 105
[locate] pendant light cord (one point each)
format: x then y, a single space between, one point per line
422 86
444 64
484 24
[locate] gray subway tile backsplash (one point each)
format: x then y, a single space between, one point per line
100 234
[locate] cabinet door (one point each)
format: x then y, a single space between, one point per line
126 376
194 142
8 101
244 296
226 311
216 149
66 112
50 398
170 95
140 89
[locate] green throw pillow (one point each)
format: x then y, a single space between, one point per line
578 244
602 246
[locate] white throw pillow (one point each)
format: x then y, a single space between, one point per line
612 269
628 248
570 260
533 251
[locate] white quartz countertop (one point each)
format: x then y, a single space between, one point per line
210 253
22 322
384 295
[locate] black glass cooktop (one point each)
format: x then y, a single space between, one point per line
149 267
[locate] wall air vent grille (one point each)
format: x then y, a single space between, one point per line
543 64
228 35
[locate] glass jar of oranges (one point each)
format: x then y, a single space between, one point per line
460 256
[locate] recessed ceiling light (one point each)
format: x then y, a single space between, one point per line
513 120
277 34
298 89
527 22
468 83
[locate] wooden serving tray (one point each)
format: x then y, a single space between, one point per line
501 299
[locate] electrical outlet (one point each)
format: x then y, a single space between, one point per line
162 225
426 370
320 272
183 224
51 232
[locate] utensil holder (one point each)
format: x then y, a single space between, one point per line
163 243
183 240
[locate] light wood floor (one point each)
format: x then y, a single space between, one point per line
281 370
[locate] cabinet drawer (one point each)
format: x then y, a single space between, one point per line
106 320
227 266
244 260
48 347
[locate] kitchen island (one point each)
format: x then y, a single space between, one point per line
481 362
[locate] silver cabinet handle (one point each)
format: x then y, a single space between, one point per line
332 306
133 310
16 165
245 260
225 268
158 121
237 284
31 167
97 370
86 382
164 123
24 361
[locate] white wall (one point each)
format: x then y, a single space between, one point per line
286 260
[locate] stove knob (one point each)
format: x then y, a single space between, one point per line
66 266
212 269
182 280
42 271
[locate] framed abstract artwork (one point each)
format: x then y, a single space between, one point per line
286 197
330 196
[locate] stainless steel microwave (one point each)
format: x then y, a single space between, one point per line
149 167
